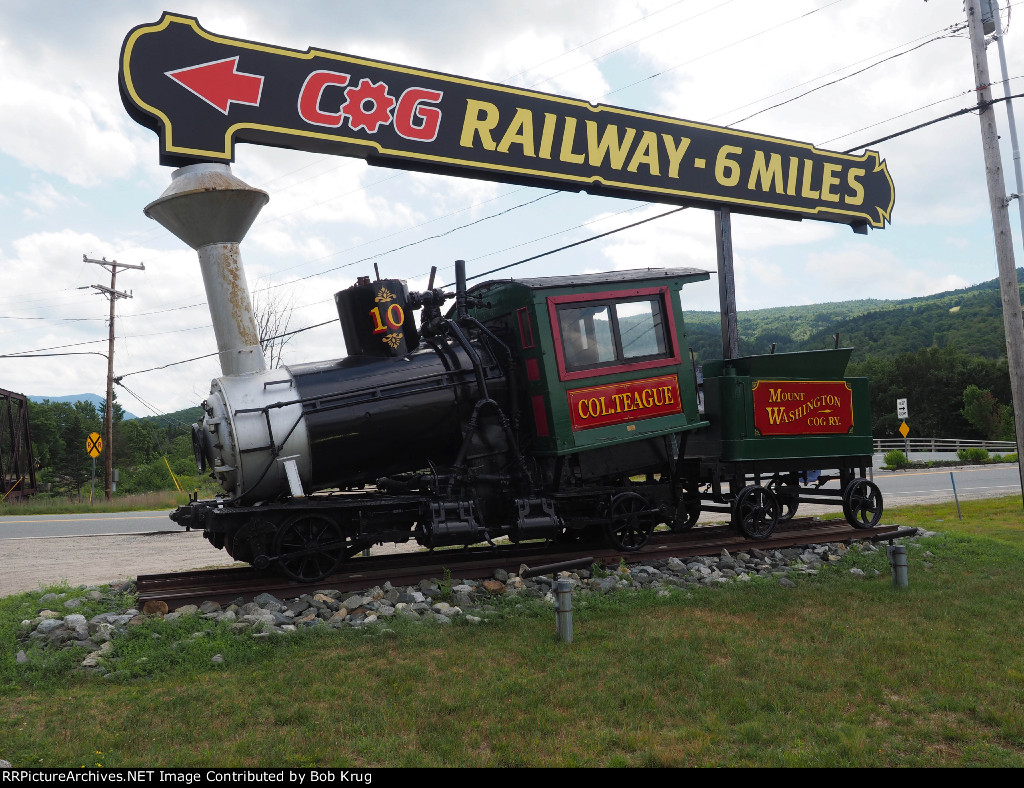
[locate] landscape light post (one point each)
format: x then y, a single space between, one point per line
1013 322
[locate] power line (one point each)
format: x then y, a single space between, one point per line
847 76
720 49
959 112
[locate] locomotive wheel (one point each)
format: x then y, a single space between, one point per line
788 495
862 503
688 510
309 547
755 512
630 521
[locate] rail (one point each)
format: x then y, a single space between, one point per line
943 445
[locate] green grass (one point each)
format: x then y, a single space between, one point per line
838 671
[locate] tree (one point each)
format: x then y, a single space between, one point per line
273 312
987 414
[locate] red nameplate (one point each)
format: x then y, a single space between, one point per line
617 403
789 407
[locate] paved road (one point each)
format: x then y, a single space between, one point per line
89 524
973 481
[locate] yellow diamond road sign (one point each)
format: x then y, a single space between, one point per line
94 444
904 429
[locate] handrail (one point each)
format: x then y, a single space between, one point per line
943 445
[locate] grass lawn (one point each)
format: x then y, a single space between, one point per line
839 671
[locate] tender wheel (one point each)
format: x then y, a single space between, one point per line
788 495
755 512
862 503
630 521
688 510
309 547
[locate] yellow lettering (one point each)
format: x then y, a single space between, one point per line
858 191
609 144
805 190
582 410
648 398
770 174
775 415
646 153
568 137
659 401
727 171
520 131
828 180
547 135
675 153
474 124
794 169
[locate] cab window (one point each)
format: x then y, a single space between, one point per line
608 333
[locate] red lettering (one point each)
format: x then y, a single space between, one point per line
413 120
309 98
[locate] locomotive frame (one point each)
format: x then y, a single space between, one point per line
535 408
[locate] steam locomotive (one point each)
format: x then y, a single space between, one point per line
553 408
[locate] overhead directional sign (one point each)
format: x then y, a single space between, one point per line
204 93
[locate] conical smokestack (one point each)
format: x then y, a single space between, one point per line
211 210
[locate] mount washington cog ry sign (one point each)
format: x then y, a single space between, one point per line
204 93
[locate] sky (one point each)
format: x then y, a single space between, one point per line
76 171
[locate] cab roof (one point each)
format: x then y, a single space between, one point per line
606 278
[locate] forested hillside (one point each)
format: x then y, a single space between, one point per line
970 320
929 350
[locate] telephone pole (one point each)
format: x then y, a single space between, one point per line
108 417
999 203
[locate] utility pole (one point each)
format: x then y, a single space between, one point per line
1013 322
726 284
108 417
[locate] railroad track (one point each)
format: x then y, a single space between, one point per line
227 585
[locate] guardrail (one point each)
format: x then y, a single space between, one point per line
943 445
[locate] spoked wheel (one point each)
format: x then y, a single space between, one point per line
788 495
755 512
688 510
862 503
630 521
309 547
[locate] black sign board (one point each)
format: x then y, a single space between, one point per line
203 93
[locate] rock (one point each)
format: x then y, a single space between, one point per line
217 659
269 602
47 625
494 586
5 764
21 658
857 572
356 601
785 582
155 607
